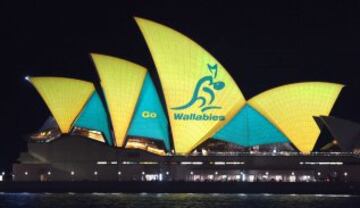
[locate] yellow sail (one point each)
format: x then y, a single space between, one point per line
200 94
121 82
292 107
65 97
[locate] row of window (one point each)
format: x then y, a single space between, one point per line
321 163
201 163
174 163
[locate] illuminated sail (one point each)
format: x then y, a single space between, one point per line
200 94
149 119
65 97
292 107
121 82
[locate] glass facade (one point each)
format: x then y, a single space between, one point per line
94 116
149 119
250 128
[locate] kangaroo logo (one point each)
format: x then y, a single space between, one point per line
205 88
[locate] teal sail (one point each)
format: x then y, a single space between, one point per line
149 119
94 117
249 128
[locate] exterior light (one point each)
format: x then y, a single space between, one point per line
167 173
318 173
346 173
49 173
143 173
266 173
95 172
216 172
292 173
119 172
26 173
27 78
3 173
191 173
72 173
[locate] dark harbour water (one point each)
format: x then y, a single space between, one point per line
70 200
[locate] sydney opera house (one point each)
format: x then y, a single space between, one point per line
197 127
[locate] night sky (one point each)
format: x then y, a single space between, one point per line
261 44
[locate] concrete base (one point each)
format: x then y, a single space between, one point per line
182 187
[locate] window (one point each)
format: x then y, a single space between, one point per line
148 163
235 163
191 163
321 163
128 162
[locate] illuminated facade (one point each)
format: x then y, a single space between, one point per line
200 94
292 108
202 101
216 134
121 82
65 97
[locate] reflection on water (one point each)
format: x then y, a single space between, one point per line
144 200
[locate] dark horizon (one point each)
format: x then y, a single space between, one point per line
261 44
